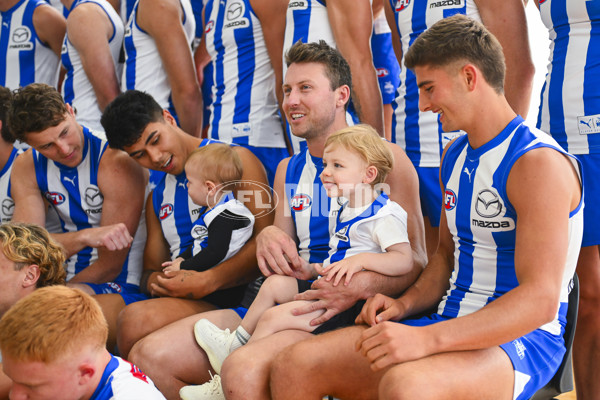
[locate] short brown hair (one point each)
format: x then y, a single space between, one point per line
218 162
460 38
366 142
27 244
337 69
34 108
52 323
5 100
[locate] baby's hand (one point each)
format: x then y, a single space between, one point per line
172 265
346 267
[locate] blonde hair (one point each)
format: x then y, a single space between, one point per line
27 244
51 323
364 141
217 161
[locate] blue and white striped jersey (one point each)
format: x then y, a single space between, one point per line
314 214
76 88
379 226
121 380
570 99
25 59
419 133
78 201
7 204
483 221
144 69
176 211
244 107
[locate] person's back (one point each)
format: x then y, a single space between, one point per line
91 52
25 57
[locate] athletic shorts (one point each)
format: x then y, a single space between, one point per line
591 213
535 357
430 193
269 157
130 293
341 320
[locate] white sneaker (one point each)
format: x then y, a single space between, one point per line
211 390
215 342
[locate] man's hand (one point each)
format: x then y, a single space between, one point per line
380 308
276 253
333 299
391 343
112 237
183 283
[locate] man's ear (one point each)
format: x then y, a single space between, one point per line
32 275
470 75
86 373
370 174
343 96
169 118
70 109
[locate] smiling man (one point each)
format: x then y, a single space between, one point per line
97 192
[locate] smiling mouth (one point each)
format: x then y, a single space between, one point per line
167 163
296 116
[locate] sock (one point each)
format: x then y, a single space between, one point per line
240 339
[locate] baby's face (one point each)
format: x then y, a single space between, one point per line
198 188
344 171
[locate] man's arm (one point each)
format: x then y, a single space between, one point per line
542 241
89 30
50 27
507 21
161 19
122 182
29 204
352 23
156 250
241 268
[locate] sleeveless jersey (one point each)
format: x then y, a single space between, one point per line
77 89
483 221
357 235
7 203
25 59
239 237
419 133
314 214
244 109
122 380
175 210
74 194
570 99
144 69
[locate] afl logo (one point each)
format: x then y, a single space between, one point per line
402 4
300 202
209 26
449 200
488 204
55 198
165 211
382 72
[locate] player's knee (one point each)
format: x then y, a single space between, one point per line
129 323
401 383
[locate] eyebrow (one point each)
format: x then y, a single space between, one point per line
150 136
421 84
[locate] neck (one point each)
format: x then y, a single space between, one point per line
5 150
6 5
189 142
362 197
101 362
316 145
489 119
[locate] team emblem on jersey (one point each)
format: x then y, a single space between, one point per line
446 3
165 211
55 198
8 207
298 5
115 287
199 232
540 2
209 26
300 202
382 72
235 15
488 204
341 234
93 197
449 199
402 4
20 39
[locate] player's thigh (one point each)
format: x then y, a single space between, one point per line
477 374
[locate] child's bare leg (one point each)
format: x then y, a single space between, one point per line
280 318
277 289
